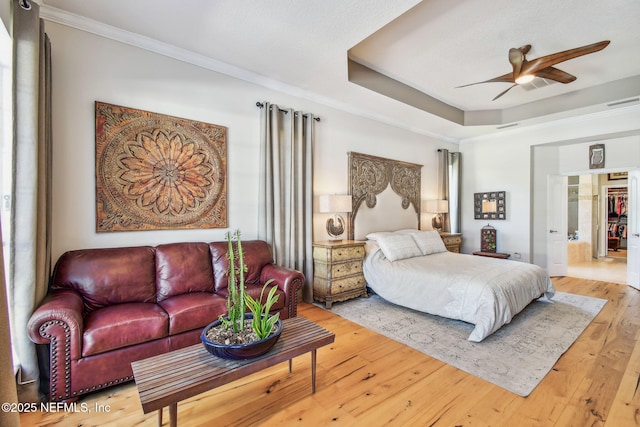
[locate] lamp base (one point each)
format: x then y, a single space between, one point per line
335 226
437 222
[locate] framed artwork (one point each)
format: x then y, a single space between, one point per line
155 171
491 205
596 156
618 175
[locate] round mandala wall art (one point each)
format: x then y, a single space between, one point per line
155 171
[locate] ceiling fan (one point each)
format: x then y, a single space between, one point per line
524 70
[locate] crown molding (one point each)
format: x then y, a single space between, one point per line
81 23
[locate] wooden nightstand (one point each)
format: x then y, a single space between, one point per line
337 271
452 241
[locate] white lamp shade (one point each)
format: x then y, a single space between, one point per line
436 206
334 203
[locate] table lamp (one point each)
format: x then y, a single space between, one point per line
438 207
335 204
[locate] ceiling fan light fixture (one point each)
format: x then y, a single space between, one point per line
524 79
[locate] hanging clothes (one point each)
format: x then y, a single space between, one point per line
617 214
617 203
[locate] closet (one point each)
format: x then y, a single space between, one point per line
617 218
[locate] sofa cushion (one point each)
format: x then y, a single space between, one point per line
257 254
122 325
183 268
193 311
104 277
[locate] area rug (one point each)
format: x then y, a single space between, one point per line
516 357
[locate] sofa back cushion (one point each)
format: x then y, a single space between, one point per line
257 254
105 277
183 268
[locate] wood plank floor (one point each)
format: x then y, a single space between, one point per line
367 379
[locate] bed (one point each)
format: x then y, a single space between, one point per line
412 268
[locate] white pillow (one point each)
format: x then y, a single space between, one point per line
429 242
376 235
398 246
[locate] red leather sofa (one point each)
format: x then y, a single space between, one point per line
109 307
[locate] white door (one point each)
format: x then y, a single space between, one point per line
557 201
633 229
595 226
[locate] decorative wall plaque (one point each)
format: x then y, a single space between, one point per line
596 156
155 171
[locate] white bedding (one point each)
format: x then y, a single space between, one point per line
484 291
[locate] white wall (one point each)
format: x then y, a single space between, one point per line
620 154
519 162
87 68
496 166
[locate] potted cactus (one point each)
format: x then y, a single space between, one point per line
238 334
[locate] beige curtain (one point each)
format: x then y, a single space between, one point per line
286 193
449 188
29 240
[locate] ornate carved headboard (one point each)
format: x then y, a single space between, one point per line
370 175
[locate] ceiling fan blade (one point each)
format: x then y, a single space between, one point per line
533 66
555 74
503 92
507 78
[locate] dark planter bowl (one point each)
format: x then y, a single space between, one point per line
241 351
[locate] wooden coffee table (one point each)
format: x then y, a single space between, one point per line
166 379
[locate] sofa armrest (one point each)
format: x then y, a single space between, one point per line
288 280
58 320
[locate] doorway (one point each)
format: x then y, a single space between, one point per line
596 218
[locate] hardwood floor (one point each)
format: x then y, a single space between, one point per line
367 379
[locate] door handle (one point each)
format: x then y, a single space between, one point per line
553 231
636 235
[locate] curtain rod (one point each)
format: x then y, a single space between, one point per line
261 105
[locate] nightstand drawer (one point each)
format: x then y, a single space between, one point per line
335 271
338 254
353 283
341 254
452 241
348 284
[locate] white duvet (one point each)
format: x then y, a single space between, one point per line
484 291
